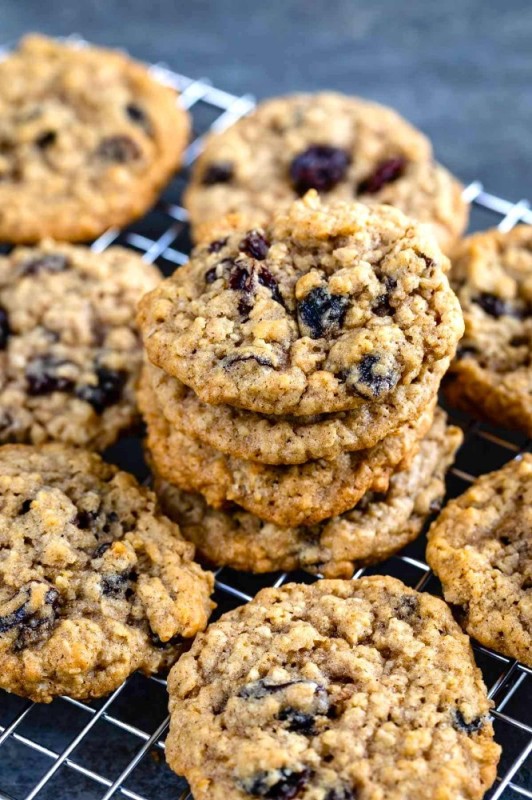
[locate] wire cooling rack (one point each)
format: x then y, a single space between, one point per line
115 747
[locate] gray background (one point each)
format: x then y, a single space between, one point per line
460 69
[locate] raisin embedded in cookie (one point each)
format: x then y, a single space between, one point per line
491 376
275 439
481 549
69 349
329 308
87 139
344 147
378 526
285 495
333 691
94 582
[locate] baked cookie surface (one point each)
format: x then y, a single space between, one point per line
298 494
95 582
70 353
492 373
340 689
481 549
344 147
87 139
378 526
330 308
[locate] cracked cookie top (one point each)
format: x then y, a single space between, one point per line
329 308
94 581
87 138
337 690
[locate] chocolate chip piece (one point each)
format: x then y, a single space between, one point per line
46 139
108 390
493 305
386 172
369 382
321 312
266 279
255 245
458 721
114 585
4 328
217 245
318 167
210 275
289 785
120 149
42 376
298 721
221 172
51 262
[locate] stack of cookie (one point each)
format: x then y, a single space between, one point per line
291 385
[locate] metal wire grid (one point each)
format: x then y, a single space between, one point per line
31 766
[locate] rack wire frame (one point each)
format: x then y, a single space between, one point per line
164 240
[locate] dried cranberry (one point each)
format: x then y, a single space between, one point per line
386 172
255 245
120 149
221 172
42 376
217 245
266 279
318 167
4 328
459 722
321 312
366 381
108 390
51 262
46 139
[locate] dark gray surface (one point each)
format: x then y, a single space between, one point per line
460 69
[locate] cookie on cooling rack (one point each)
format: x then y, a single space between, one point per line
328 308
285 495
333 691
491 376
344 147
87 140
378 526
481 549
69 349
94 582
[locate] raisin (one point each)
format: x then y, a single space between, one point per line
115 585
458 722
382 307
108 390
318 167
221 172
266 279
408 605
386 172
158 642
4 328
217 245
370 383
25 507
261 688
262 360
466 351
120 149
240 279
493 305
28 620
298 721
51 262
84 519
42 377
101 549
341 794
255 245
322 312
288 786
46 139
210 275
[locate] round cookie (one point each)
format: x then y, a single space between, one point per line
334 691
491 376
285 495
329 308
378 526
87 140
344 147
271 439
69 348
480 547
94 582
